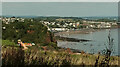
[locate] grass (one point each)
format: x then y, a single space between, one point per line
34 57
14 56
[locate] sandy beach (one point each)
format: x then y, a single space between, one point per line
81 31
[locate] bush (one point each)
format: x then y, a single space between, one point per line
8 43
52 44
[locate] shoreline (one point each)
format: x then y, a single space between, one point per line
80 31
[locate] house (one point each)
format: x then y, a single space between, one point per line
58 29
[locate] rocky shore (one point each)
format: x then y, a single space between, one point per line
71 39
62 35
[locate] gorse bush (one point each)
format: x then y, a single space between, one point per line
12 57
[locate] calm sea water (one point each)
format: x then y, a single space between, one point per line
99 41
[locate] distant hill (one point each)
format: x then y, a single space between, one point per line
56 17
97 17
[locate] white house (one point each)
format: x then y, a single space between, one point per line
58 29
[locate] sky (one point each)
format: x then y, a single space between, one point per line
60 0
78 9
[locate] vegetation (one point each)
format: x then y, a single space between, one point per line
28 31
46 52
12 56
8 43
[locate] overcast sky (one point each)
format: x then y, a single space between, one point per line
60 8
60 0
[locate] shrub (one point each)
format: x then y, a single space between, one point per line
8 43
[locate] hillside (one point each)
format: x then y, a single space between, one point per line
28 31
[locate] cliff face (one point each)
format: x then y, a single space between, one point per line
50 38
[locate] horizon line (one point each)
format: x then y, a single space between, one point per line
52 16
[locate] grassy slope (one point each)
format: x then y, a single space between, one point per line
37 56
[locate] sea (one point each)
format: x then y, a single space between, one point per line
99 41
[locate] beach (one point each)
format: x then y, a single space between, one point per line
80 31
